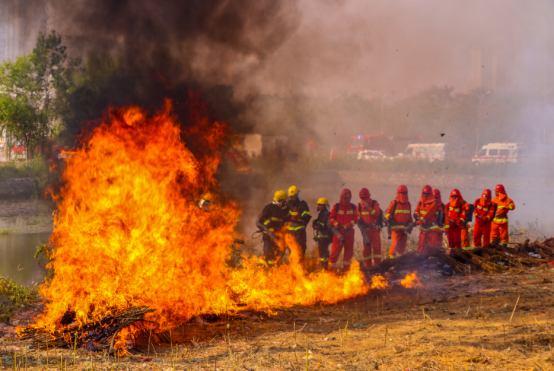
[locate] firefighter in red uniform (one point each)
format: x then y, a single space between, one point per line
484 210
456 219
426 214
437 231
504 204
399 216
343 218
371 221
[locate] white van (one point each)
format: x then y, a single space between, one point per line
500 153
425 151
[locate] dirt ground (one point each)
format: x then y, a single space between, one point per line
450 323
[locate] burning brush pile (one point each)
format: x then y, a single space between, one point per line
495 258
132 253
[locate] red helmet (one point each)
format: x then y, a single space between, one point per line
436 192
346 193
487 193
427 189
364 193
500 188
402 189
455 192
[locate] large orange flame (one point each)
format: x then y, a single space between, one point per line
128 231
411 280
379 282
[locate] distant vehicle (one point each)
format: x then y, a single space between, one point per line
425 152
19 150
360 143
500 153
373 156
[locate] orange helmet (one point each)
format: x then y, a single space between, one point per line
487 193
436 192
427 189
364 193
455 193
500 188
402 189
346 193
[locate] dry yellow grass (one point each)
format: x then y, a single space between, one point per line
458 323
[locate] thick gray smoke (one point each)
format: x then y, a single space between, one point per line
198 40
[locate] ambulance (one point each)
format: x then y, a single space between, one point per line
500 153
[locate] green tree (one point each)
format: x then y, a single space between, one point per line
31 91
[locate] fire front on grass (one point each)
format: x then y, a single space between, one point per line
128 232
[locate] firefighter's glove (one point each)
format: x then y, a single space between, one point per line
460 223
342 239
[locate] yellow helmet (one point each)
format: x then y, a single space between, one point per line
293 190
322 201
207 197
279 195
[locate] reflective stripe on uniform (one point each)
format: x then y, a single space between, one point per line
344 262
296 228
322 236
501 220
323 259
398 227
332 264
467 248
305 213
377 256
294 213
369 257
402 211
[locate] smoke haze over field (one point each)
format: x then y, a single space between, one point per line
329 69
329 47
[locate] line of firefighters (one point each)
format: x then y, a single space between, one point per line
336 224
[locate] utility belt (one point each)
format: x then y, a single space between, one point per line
371 226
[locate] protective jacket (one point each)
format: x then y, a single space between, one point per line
344 217
503 205
299 213
484 210
456 213
427 211
273 218
370 214
320 225
399 213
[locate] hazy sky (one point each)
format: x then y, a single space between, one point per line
376 46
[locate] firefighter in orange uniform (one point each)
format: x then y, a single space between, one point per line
399 216
426 214
437 230
342 219
500 222
456 219
484 210
371 220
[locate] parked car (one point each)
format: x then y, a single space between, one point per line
500 153
425 151
375 155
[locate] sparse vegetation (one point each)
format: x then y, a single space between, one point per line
14 297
